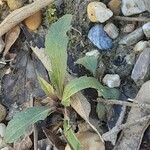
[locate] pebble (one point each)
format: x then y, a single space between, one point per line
128 28
2 44
132 7
34 21
15 4
146 29
3 112
133 37
2 129
111 80
111 30
99 38
93 53
115 6
141 66
140 46
98 12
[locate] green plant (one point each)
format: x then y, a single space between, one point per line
56 49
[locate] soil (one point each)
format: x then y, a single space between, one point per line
21 84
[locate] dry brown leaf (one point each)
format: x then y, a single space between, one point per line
33 22
80 104
1 2
89 141
25 144
131 137
40 53
2 44
10 39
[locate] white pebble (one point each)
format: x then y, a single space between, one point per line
132 7
111 30
2 129
146 29
98 12
93 53
128 28
140 46
112 80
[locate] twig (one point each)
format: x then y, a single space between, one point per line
35 137
123 103
35 131
123 126
139 19
22 13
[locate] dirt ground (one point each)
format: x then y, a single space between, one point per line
20 84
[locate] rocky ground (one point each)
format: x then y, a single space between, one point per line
116 33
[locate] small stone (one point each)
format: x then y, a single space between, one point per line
34 21
2 129
132 7
115 5
93 53
140 46
2 44
133 37
128 28
99 38
141 66
111 30
98 12
2 112
15 4
146 29
112 80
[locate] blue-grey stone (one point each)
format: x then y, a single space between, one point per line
99 38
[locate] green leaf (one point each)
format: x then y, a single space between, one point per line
101 111
56 48
71 137
47 88
81 83
89 62
110 93
18 126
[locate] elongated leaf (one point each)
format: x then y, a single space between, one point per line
81 83
47 88
56 48
71 137
22 120
89 62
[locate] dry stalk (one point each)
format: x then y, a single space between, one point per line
123 103
20 14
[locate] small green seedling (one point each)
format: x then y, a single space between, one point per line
56 49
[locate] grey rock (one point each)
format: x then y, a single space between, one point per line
146 29
140 46
132 7
99 38
111 30
112 80
141 66
133 37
